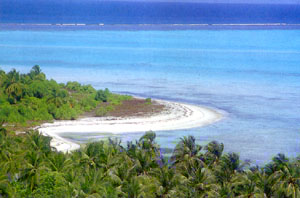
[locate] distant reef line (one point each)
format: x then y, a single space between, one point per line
149 26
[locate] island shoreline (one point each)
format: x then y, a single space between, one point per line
176 116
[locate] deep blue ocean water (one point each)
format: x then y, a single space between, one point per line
253 76
145 12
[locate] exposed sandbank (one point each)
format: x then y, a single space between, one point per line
175 116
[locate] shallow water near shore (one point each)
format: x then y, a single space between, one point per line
253 76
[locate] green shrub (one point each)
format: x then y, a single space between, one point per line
148 101
73 86
116 99
103 110
102 95
52 184
89 89
65 112
88 103
38 89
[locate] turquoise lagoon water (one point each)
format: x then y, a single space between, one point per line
253 76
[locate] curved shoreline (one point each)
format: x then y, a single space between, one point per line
175 116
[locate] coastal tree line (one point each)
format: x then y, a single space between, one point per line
30 167
30 98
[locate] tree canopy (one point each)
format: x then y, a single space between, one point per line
30 98
30 167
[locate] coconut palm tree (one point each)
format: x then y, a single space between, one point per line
92 183
147 141
36 70
263 181
201 180
5 188
221 191
38 142
10 154
287 181
278 162
141 186
36 73
3 77
3 131
213 153
32 166
15 91
144 155
245 184
229 165
12 85
119 172
186 147
59 161
168 180
55 98
187 156
12 77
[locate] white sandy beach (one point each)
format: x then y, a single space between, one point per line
175 116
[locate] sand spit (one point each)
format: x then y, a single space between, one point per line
175 116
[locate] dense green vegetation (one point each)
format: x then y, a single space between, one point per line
29 167
148 101
30 98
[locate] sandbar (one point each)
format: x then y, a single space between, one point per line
175 116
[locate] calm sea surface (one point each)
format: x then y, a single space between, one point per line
253 76
143 11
